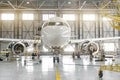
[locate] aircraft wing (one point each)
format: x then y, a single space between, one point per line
17 40
94 39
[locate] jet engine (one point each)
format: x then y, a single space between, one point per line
18 47
88 46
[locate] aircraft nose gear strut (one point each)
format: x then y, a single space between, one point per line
56 58
56 52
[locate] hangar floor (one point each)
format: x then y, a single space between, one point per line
67 69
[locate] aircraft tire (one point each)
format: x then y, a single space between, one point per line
53 59
57 59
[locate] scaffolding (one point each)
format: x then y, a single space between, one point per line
114 68
114 14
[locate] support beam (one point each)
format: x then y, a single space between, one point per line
82 5
33 5
42 4
11 5
21 3
62 4
28 9
106 4
96 5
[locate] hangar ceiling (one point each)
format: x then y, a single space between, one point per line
52 4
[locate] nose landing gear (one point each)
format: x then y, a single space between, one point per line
56 53
56 59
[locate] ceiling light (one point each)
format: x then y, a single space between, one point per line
69 2
27 2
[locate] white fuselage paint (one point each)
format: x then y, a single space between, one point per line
55 32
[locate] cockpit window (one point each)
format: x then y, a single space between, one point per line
55 24
51 23
59 23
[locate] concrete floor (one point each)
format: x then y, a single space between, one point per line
69 69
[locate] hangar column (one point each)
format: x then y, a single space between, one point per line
59 9
77 51
16 27
0 33
119 42
98 21
78 24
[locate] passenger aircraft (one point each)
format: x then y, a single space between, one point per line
55 34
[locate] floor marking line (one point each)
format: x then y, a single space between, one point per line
57 74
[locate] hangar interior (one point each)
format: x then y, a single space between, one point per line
23 19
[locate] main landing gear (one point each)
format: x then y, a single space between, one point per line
76 54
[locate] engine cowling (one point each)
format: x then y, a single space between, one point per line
94 47
18 47
88 46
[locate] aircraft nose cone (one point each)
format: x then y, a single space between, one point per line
55 35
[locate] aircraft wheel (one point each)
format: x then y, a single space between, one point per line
25 62
40 61
1 59
78 55
57 59
53 59
73 55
